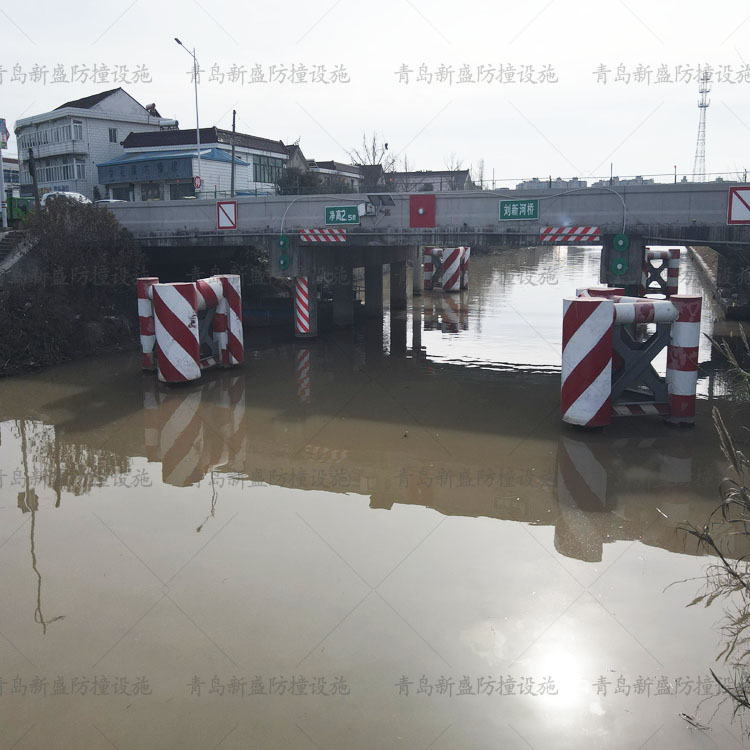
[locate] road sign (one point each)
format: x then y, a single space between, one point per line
197 182
519 210
341 215
739 205
226 214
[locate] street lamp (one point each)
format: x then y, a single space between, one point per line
197 126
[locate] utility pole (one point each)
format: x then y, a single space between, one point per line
197 124
4 136
234 130
34 181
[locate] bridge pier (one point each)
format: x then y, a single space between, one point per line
398 285
398 334
343 298
374 291
417 279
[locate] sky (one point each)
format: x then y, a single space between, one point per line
568 88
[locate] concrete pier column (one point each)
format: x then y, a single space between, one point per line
398 334
343 298
417 279
374 291
398 285
305 307
416 330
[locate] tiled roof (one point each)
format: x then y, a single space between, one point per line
89 101
207 135
209 154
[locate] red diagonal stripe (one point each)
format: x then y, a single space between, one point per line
170 373
177 329
586 371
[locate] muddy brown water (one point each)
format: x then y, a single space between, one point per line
381 539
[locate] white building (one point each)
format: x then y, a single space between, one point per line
72 139
266 158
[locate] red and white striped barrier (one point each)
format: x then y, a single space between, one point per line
588 352
570 235
587 361
452 269
655 263
682 359
450 315
301 306
322 235
465 258
185 339
146 321
302 369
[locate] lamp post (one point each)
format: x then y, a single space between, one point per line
197 125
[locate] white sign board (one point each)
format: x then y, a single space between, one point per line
739 205
226 214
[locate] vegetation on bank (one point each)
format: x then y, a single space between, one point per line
73 293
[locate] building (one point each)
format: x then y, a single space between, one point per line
265 158
556 184
11 174
168 175
429 181
71 140
336 176
617 181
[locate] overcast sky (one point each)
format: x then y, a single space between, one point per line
568 122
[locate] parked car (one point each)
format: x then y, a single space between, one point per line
63 194
108 201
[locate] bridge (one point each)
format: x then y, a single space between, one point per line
390 228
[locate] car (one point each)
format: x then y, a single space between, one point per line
108 201
62 194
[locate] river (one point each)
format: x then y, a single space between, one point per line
384 538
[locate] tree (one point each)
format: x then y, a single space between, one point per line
478 174
452 163
373 153
294 181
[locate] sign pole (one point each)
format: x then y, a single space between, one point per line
3 199
4 208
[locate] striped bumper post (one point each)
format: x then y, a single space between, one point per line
176 329
146 321
304 313
234 351
570 235
451 269
465 257
587 361
302 371
682 359
181 439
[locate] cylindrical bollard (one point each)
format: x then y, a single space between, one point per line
146 321
301 306
465 257
451 269
234 353
176 330
587 361
682 359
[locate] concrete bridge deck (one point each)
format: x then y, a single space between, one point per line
684 212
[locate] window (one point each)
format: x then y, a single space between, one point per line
150 192
113 135
267 168
77 130
80 170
